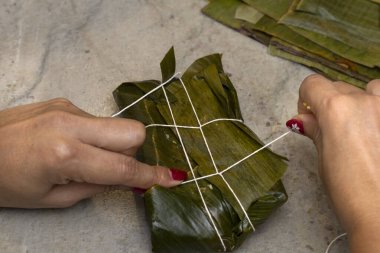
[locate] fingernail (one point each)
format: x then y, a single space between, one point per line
178 175
296 126
138 191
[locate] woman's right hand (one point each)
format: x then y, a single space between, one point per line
344 123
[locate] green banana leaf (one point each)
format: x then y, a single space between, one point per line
272 8
178 217
321 55
349 28
236 14
287 51
224 11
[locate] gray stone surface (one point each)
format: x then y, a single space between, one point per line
83 49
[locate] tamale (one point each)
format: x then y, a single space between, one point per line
180 220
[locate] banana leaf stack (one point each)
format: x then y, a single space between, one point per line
339 38
180 221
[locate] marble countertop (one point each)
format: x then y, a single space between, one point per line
83 49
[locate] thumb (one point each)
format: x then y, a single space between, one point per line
61 196
305 124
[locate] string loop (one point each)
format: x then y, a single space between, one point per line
334 241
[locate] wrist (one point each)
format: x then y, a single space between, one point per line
358 216
356 209
364 237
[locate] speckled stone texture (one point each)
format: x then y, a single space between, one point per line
83 49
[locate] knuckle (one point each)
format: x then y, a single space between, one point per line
338 83
56 117
313 78
372 84
310 81
375 81
61 152
138 132
155 177
127 168
337 109
63 102
335 103
158 176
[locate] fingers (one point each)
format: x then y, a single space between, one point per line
61 196
316 95
313 91
121 135
316 89
62 104
97 150
85 163
115 134
346 88
373 87
56 104
305 124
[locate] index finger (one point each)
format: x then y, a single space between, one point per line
314 90
114 134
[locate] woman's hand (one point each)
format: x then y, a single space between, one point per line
344 123
53 154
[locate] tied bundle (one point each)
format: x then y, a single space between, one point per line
194 123
340 39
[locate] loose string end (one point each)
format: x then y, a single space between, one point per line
334 241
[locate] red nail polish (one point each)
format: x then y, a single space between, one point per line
296 126
178 175
138 191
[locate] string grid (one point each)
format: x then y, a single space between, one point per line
199 127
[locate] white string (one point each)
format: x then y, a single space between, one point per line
222 119
333 241
256 151
212 158
200 126
194 127
192 172
240 161
144 96
220 173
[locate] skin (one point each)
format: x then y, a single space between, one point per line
52 155
344 123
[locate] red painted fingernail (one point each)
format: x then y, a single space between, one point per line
138 191
178 175
296 126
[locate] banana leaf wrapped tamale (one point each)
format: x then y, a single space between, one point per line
211 212
292 43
